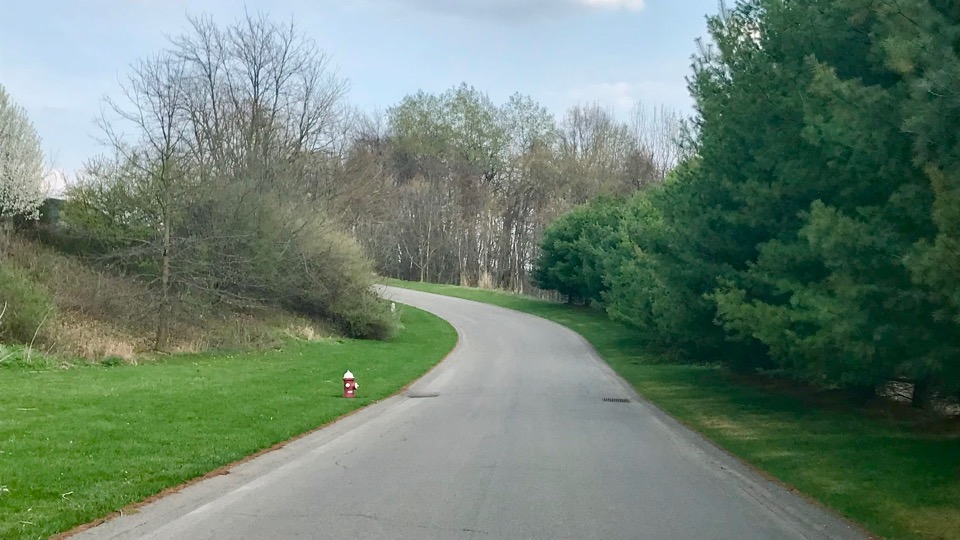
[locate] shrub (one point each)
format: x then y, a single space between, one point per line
301 263
26 306
329 278
575 249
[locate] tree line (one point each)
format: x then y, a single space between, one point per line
458 189
815 230
237 172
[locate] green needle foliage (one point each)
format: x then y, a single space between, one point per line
816 232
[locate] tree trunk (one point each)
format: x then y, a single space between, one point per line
506 253
163 319
6 232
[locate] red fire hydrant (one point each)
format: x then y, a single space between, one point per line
349 385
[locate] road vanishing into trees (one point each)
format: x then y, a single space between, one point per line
510 437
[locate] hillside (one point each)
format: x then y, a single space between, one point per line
71 307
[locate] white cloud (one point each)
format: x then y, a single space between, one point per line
517 10
619 95
507 10
622 96
630 5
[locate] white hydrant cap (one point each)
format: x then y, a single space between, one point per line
348 375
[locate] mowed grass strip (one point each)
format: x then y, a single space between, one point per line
899 478
80 443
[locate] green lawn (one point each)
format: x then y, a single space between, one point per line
898 477
76 444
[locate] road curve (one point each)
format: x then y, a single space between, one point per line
516 442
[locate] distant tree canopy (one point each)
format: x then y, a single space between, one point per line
816 230
458 189
239 173
576 249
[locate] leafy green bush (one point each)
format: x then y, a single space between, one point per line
274 253
576 248
301 263
329 278
26 306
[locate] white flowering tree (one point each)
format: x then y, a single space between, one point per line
21 163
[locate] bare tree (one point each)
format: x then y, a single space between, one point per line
476 184
237 134
657 131
594 148
153 107
265 106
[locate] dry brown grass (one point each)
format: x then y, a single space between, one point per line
95 339
103 315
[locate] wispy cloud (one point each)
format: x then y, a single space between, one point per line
515 10
621 96
630 5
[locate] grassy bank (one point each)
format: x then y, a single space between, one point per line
76 444
880 466
72 306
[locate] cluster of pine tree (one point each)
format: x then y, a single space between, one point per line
817 229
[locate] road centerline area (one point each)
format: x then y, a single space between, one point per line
516 442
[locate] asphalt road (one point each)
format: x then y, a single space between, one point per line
515 442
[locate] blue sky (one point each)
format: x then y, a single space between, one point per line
59 58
